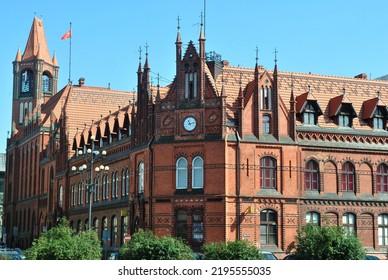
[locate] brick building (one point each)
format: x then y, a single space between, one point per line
222 153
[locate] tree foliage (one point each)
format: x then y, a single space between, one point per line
61 243
232 250
327 243
145 245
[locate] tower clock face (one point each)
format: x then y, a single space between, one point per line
189 123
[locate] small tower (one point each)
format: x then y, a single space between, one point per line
35 75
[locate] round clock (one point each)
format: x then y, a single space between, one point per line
189 123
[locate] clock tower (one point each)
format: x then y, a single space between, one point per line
35 77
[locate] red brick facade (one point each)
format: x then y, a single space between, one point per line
222 153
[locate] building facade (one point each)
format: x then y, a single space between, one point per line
222 153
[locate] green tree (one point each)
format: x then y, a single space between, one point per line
327 243
232 250
61 243
144 245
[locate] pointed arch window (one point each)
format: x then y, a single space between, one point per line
141 178
311 176
348 177
27 81
268 173
197 180
181 173
382 178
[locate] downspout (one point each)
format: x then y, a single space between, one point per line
151 163
238 218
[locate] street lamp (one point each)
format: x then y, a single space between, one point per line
91 186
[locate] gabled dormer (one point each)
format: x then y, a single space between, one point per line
307 108
341 110
375 113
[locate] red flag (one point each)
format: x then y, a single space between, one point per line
67 35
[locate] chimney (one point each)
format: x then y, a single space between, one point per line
81 81
361 76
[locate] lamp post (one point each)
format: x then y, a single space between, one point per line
91 186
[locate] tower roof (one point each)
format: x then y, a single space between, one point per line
37 44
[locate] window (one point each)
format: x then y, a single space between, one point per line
266 102
113 231
311 176
309 114
382 178
181 173
268 227
97 189
27 81
197 230
313 218
197 173
266 125
344 120
79 226
181 224
348 177
46 83
80 193
191 85
378 119
382 221
115 184
268 173
123 183
349 223
104 227
60 200
124 228
105 187
95 224
141 178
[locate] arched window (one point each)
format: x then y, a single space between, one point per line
311 176
197 180
27 81
60 199
382 221
46 82
123 183
349 223
115 183
141 178
105 187
104 226
190 85
268 173
127 182
80 193
197 228
79 226
95 224
266 101
113 231
124 228
382 178
348 177
181 173
313 218
181 224
266 124
268 227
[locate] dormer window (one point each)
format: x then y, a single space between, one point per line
379 118
344 120
341 110
309 114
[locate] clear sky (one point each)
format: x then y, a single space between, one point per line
331 37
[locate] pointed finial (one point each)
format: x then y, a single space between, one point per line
140 54
240 79
179 22
276 53
146 47
292 82
379 95
257 54
344 90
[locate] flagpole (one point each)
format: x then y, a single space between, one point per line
70 55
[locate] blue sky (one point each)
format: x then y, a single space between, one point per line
339 38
